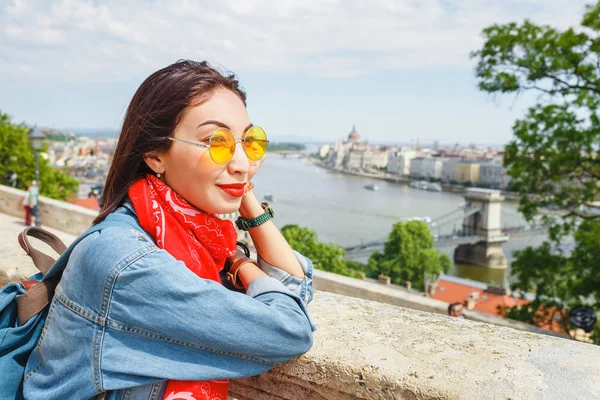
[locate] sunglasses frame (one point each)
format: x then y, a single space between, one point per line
235 141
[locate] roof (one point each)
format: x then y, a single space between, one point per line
452 289
354 134
87 202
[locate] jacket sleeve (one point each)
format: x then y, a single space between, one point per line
303 287
166 323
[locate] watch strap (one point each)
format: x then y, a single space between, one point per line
247 224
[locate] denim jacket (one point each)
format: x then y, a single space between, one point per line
127 316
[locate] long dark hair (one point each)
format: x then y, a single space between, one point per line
153 114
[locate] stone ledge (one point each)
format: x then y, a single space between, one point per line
369 350
399 296
57 214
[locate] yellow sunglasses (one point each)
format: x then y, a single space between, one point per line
221 144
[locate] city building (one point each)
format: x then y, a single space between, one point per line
494 174
324 150
356 155
421 167
375 157
354 159
449 169
467 171
399 161
339 155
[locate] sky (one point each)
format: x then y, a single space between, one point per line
399 70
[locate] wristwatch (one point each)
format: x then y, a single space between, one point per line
246 224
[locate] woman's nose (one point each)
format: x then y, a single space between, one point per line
239 163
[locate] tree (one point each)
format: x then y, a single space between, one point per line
408 255
553 160
17 156
560 282
328 257
555 153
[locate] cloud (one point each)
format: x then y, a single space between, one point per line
76 40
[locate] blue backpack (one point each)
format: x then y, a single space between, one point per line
24 307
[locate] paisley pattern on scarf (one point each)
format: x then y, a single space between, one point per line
199 239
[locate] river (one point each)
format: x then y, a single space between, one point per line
340 210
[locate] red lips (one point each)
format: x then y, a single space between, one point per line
233 186
234 189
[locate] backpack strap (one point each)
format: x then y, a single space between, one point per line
42 261
36 299
39 293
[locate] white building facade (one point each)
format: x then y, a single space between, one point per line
449 169
426 168
399 161
494 174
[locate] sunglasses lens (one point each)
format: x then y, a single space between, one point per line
222 146
255 143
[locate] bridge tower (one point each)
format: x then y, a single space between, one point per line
486 223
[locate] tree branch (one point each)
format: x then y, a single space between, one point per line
574 213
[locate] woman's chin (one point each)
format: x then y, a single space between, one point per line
228 206
223 206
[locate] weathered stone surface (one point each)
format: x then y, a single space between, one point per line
399 296
369 350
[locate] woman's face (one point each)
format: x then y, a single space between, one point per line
191 172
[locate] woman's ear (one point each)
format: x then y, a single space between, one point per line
155 162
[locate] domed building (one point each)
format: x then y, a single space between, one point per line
356 155
354 136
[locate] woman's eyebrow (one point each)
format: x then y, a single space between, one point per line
213 122
220 124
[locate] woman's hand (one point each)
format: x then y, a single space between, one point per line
254 166
250 205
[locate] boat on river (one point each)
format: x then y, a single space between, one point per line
424 185
372 187
269 197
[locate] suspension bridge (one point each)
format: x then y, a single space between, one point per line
478 227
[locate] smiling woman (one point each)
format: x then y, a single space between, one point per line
155 299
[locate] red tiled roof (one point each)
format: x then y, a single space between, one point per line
491 303
452 292
87 202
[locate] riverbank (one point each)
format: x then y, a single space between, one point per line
446 187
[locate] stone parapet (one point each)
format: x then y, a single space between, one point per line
368 350
399 296
57 214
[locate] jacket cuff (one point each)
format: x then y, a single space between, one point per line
267 284
303 287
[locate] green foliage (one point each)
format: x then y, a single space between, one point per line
285 147
328 257
543 271
408 255
553 160
555 153
17 156
60 137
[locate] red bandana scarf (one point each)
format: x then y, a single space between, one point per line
201 240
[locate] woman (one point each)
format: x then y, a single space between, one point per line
143 310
